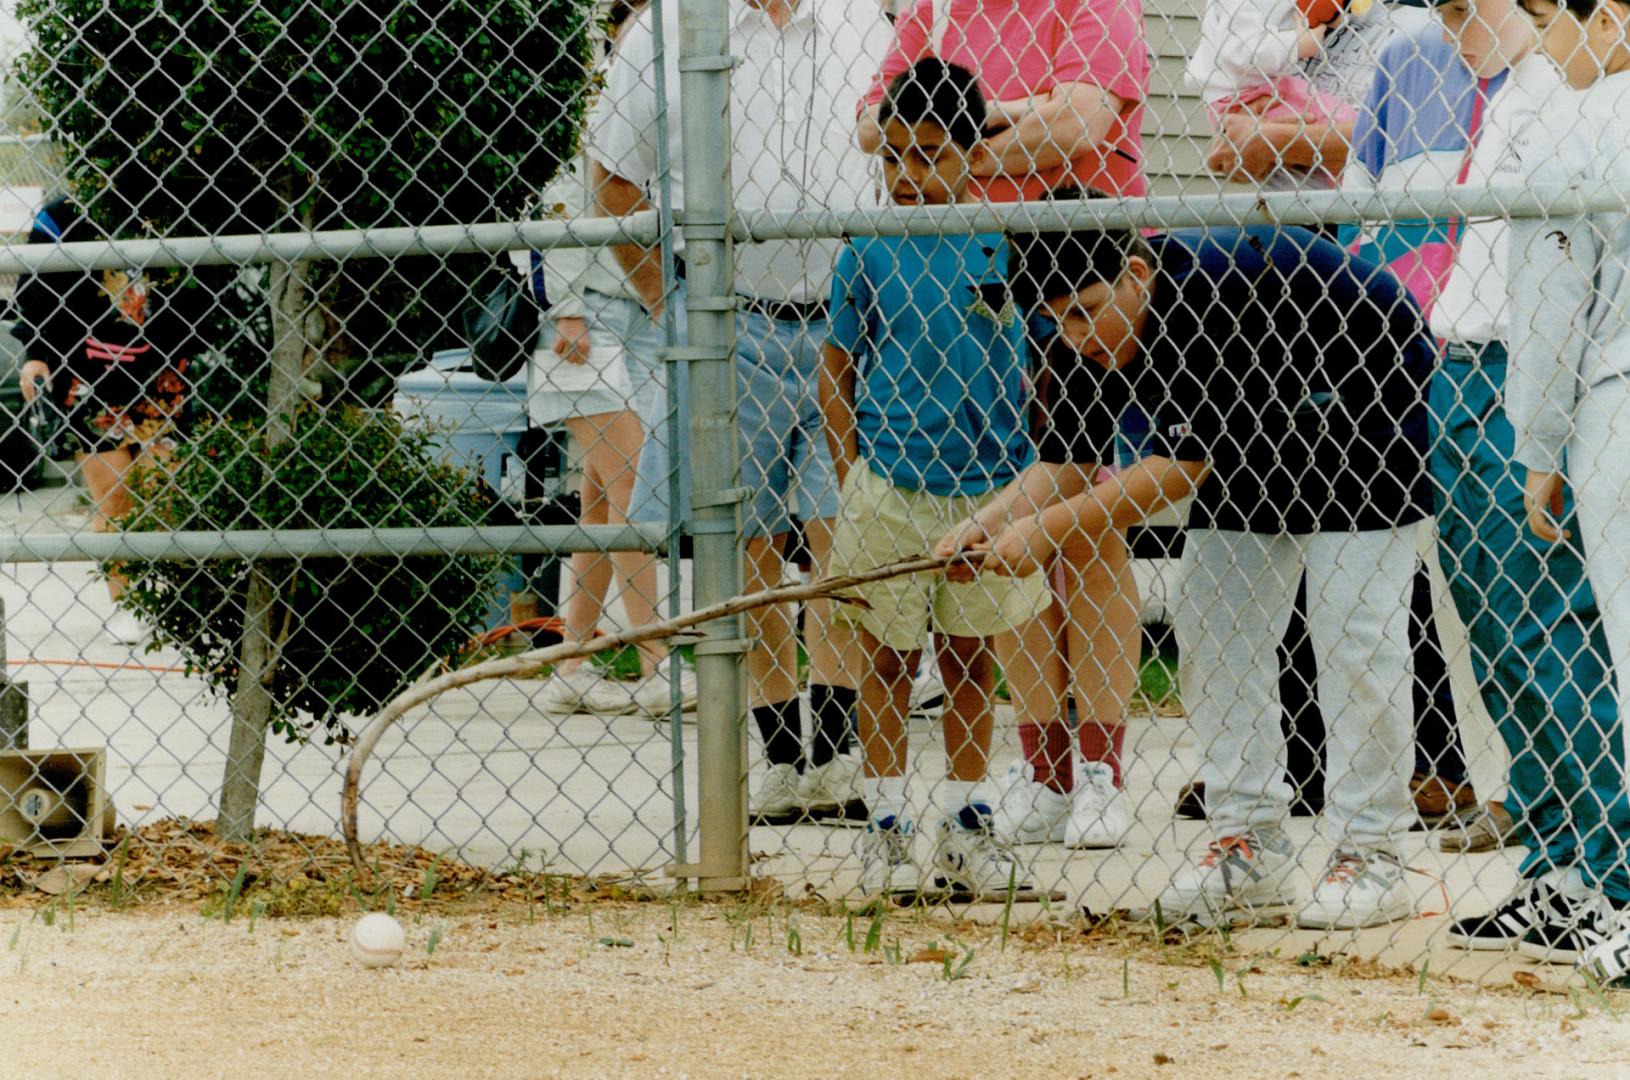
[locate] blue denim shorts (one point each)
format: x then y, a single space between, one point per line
785 464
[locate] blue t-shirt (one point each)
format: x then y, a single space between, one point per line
941 390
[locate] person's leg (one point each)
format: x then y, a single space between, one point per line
1234 603
105 474
616 463
969 671
1515 597
1358 614
1440 761
1236 597
836 659
591 571
1300 718
772 662
1600 475
883 688
1105 648
1033 663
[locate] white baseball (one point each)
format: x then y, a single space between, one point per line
378 940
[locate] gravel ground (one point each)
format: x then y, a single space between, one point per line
613 989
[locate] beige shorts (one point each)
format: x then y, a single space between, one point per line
879 523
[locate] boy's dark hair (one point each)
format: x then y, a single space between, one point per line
1579 9
1047 265
936 92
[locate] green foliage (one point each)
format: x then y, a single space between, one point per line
351 633
228 116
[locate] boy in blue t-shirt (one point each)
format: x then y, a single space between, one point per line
925 395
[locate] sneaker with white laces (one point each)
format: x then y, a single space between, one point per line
1505 926
566 691
887 866
1028 812
833 789
125 628
1100 812
777 800
1358 889
1237 873
927 697
1570 928
650 696
969 858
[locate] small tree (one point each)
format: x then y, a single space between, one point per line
196 117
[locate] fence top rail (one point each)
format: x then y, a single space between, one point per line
324 543
1163 211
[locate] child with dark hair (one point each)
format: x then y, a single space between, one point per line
1566 393
1284 382
924 393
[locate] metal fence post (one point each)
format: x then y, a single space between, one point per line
704 66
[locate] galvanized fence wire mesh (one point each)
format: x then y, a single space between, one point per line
1225 337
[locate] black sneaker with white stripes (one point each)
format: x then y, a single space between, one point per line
1505 926
1570 928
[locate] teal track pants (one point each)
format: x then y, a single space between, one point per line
1537 646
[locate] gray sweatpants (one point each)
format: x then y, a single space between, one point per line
1236 598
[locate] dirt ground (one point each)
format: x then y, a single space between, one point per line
715 990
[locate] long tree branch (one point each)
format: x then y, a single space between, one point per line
528 663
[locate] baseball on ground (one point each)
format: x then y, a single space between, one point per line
377 940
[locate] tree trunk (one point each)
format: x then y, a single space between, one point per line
257 653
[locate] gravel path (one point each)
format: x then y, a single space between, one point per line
161 992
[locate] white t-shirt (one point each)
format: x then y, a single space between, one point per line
794 97
1472 308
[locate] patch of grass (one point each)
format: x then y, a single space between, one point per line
1157 680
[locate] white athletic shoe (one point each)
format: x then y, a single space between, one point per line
1100 812
1608 961
651 696
1028 812
969 858
566 691
886 863
1358 889
1237 873
125 628
832 788
927 690
777 798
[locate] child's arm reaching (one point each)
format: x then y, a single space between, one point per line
1072 526
1028 494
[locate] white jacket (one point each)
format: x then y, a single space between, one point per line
1244 44
1569 284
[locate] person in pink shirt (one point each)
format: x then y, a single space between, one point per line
1067 81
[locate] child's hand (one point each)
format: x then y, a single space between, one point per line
962 539
1542 498
1021 549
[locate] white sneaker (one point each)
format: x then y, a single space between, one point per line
927 690
831 789
1028 812
1358 889
969 858
777 801
1608 960
1100 812
650 696
125 628
1236 873
886 863
567 691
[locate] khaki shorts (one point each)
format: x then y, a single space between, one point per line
879 523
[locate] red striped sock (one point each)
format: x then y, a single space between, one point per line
1103 743
1047 749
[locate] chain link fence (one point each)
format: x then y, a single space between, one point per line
1242 358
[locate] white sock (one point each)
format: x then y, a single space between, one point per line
1571 883
885 796
955 794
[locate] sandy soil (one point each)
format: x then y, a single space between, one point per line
686 990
